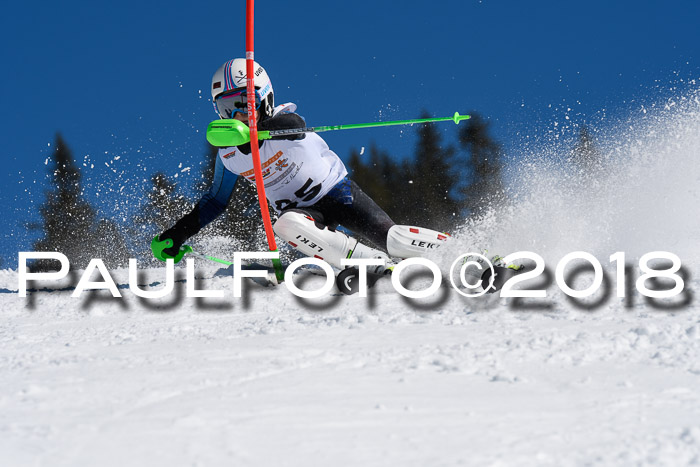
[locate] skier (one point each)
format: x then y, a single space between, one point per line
304 180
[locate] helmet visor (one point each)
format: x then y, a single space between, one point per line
228 103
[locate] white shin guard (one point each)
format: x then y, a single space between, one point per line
301 232
405 241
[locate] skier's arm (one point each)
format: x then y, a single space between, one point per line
283 121
211 205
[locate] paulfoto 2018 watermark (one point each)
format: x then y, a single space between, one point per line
466 284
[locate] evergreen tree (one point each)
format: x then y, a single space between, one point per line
163 206
485 186
421 191
380 177
433 199
110 245
70 224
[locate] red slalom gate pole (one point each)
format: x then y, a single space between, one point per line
253 125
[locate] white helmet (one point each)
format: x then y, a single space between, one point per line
229 82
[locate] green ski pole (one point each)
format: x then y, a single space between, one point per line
157 246
275 272
210 258
231 132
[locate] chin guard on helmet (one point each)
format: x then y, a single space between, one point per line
232 76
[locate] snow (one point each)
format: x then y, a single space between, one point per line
271 379
106 381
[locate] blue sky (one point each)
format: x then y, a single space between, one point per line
127 83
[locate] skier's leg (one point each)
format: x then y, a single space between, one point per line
311 229
357 212
310 236
400 241
405 241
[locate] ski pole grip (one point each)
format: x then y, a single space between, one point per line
458 118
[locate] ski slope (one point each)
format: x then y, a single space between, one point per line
271 379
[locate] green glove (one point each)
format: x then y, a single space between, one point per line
158 245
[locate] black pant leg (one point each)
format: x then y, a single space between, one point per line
364 217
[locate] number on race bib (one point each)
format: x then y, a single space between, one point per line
304 193
312 192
